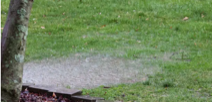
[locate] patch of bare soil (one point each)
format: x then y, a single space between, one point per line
81 71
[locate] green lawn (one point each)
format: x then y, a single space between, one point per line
130 29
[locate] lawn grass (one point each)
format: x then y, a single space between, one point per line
130 29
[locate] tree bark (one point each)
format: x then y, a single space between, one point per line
13 49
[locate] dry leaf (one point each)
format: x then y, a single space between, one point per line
42 27
202 15
147 19
84 36
54 95
63 13
186 18
138 41
103 26
26 89
44 15
2 28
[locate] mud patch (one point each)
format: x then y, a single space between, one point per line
82 71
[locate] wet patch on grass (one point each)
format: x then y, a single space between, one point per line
86 71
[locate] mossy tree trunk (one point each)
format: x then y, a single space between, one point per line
13 49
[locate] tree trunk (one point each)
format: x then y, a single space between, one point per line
13 49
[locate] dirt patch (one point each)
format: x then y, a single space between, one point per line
82 71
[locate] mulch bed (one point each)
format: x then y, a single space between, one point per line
38 93
27 96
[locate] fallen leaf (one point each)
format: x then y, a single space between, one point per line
34 22
44 15
202 15
84 36
138 41
186 18
171 27
103 26
26 91
42 27
63 13
49 33
54 95
147 19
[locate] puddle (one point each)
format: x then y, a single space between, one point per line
86 71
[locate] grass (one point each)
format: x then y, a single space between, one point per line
131 29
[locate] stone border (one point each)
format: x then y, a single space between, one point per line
72 94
